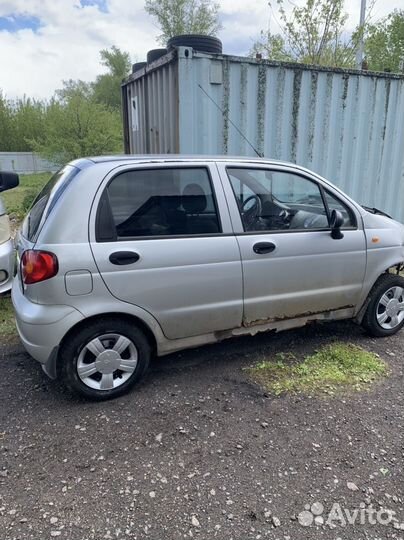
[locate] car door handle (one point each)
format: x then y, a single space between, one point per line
261 248
124 257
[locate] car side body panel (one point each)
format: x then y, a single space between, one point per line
208 268
191 285
308 272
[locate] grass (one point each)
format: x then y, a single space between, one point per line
333 368
7 324
19 200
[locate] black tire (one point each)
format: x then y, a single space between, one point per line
76 342
198 42
370 322
155 54
137 66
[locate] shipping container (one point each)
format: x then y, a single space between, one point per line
346 125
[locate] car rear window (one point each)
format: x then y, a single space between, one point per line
158 202
45 202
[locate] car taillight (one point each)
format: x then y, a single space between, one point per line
38 265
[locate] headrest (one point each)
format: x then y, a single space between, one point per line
194 200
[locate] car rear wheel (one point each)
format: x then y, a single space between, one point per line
385 313
104 359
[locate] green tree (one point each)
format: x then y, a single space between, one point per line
176 17
74 89
21 120
313 33
271 46
77 126
6 122
28 123
384 45
107 87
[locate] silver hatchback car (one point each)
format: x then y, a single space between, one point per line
121 258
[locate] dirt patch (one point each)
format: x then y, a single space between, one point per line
198 451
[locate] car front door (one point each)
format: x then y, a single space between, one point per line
291 264
162 240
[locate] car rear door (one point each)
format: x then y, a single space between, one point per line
162 239
291 265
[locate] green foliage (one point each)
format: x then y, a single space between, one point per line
384 45
81 119
19 200
271 46
6 136
74 89
176 17
21 121
335 367
76 127
107 87
312 34
7 324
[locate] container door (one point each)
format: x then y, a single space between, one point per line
163 241
291 265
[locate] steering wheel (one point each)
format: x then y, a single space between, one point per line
286 216
250 215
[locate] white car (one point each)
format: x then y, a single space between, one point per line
7 252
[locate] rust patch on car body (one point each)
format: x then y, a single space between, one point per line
305 315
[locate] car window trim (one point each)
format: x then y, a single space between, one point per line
163 236
351 214
216 235
322 189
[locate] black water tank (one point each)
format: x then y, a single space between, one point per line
198 42
155 54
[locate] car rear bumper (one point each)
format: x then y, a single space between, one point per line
42 327
7 261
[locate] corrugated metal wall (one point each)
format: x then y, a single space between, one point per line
25 163
346 126
151 109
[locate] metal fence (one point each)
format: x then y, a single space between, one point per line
25 163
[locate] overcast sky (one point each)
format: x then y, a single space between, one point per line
43 42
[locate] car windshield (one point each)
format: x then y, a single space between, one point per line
46 200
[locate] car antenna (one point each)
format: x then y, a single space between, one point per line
232 123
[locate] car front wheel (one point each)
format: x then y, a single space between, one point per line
104 359
385 313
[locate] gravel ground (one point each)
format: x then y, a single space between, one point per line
198 451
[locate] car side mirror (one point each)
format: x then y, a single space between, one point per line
336 222
8 180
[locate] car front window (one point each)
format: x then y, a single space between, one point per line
279 200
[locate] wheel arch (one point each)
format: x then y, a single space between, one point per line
395 268
151 338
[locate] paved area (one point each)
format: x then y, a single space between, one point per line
197 451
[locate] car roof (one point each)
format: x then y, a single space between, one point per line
150 158
172 157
